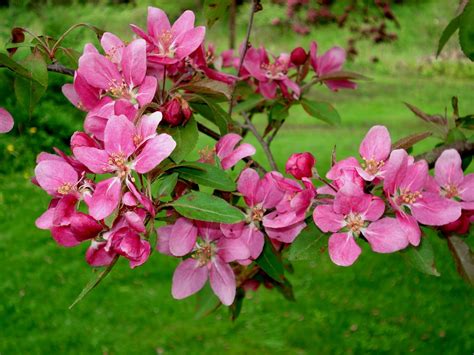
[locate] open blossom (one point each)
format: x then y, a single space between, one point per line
451 181
126 148
270 76
341 173
228 152
119 78
6 121
328 63
300 165
203 60
352 214
374 149
211 252
168 44
405 185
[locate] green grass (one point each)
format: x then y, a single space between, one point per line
378 305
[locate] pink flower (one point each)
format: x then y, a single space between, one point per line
120 75
68 227
405 186
126 149
227 152
342 173
124 238
176 111
374 150
450 178
270 76
298 56
97 256
300 165
203 60
352 214
330 62
6 121
168 44
210 258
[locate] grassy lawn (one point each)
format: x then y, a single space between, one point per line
378 305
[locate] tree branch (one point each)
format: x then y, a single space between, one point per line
463 147
61 69
256 6
216 136
262 142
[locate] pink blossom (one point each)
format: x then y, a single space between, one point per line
300 165
97 256
176 111
450 178
298 56
342 173
203 61
352 214
126 148
227 152
120 76
6 121
374 150
168 44
211 254
329 63
405 186
270 76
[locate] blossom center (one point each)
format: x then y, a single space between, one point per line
204 253
450 191
409 197
65 188
372 166
354 222
166 46
119 90
119 161
256 213
274 71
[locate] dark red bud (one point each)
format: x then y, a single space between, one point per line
298 56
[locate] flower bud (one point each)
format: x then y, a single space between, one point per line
298 56
176 111
459 226
300 165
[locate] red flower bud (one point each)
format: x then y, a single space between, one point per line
459 226
300 165
176 111
298 56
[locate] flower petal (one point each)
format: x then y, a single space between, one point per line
386 236
134 62
376 144
222 281
155 151
183 237
327 220
188 278
53 174
118 136
106 198
343 250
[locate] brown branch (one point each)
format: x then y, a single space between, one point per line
463 147
256 6
263 143
61 69
216 136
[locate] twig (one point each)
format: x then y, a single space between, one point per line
61 69
214 135
274 133
262 142
256 6
463 147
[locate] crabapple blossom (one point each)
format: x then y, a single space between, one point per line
228 152
300 165
168 44
352 214
6 121
374 149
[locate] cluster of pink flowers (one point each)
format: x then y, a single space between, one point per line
102 193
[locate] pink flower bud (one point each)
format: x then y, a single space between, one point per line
300 165
176 111
298 56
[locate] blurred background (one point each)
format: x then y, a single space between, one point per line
378 305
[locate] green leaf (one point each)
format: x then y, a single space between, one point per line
186 138
236 307
209 87
249 103
29 91
94 282
452 26
279 111
307 246
204 207
422 256
286 289
164 186
455 135
466 121
18 68
206 302
466 30
411 140
463 256
207 175
214 10
270 262
322 111
213 112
